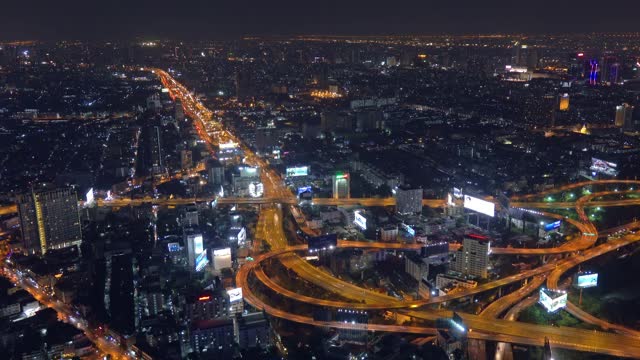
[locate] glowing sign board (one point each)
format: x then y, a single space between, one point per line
234 294
587 280
360 220
552 300
201 261
604 167
297 171
173 246
198 245
552 226
478 205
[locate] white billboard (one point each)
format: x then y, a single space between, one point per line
552 300
222 258
234 294
478 205
587 280
90 197
360 220
256 189
227 146
198 245
297 171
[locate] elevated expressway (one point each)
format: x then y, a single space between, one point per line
491 330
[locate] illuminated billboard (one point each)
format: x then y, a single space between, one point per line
552 226
198 245
173 246
457 192
256 189
409 229
248 171
304 189
228 146
222 258
201 261
297 171
587 280
360 220
552 300
234 294
604 167
90 197
222 252
478 205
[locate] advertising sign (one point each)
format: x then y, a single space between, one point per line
201 261
234 294
604 167
304 189
198 245
552 226
587 280
90 197
173 246
297 171
478 205
360 221
552 300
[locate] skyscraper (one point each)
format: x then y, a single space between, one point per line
473 258
49 218
624 117
341 188
155 151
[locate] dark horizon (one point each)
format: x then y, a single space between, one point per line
43 20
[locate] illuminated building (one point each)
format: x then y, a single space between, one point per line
186 159
213 336
552 300
156 162
473 258
563 102
624 117
49 219
207 305
341 189
196 254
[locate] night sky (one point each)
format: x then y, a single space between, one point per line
118 19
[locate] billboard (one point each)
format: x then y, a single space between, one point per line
198 245
409 229
552 226
604 167
256 189
304 189
201 261
360 220
234 294
247 171
297 171
228 146
478 205
587 280
552 300
90 197
457 193
173 246
242 236
222 258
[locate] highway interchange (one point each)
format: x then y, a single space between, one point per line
486 326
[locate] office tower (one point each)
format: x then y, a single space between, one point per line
196 254
186 160
155 156
408 200
473 258
624 117
215 171
49 218
154 103
179 111
563 102
321 75
213 337
341 188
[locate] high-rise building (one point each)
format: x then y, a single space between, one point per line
179 111
156 163
49 219
624 116
408 200
341 187
563 102
196 254
215 171
473 258
186 159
